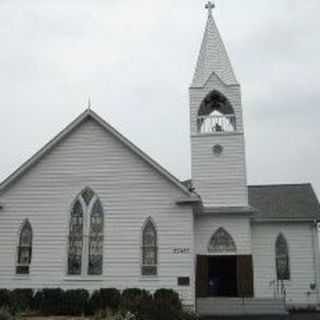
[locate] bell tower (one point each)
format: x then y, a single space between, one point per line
217 135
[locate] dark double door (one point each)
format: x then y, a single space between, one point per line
224 276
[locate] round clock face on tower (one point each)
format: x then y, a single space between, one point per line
217 149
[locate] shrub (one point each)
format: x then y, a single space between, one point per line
74 302
167 298
37 300
134 299
4 298
21 299
104 299
51 301
5 315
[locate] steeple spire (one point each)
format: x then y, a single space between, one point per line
213 57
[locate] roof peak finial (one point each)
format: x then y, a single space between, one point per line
209 6
89 103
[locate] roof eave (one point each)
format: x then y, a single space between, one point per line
188 201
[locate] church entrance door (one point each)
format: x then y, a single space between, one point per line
224 276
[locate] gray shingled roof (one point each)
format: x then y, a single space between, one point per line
282 201
294 201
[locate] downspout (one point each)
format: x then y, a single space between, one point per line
316 253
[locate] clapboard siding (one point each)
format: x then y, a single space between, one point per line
299 238
238 228
220 180
130 191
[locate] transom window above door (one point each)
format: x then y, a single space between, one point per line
85 243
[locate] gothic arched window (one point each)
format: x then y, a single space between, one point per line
149 249
96 239
85 253
216 114
282 258
24 250
221 241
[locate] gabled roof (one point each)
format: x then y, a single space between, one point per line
213 58
285 201
82 117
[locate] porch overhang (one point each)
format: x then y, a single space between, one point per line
192 201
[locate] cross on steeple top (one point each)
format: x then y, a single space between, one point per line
209 6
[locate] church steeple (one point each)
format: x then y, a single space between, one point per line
217 133
213 57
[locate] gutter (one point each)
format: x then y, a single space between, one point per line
310 220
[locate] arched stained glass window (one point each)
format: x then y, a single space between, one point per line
282 258
75 239
149 249
86 235
96 239
221 242
24 250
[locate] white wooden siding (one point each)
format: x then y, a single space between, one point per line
130 191
238 228
299 238
220 180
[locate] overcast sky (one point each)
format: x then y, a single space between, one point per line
135 59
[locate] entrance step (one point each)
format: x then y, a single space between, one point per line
207 307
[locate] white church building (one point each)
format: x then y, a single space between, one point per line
91 210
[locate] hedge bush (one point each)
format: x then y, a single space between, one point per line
51 302
4 298
163 305
105 299
37 300
21 299
133 299
74 302
167 298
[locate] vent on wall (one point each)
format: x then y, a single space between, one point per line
183 281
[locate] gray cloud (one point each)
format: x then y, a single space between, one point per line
136 59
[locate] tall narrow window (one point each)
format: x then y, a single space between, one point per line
282 258
85 255
149 249
96 239
75 239
24 249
